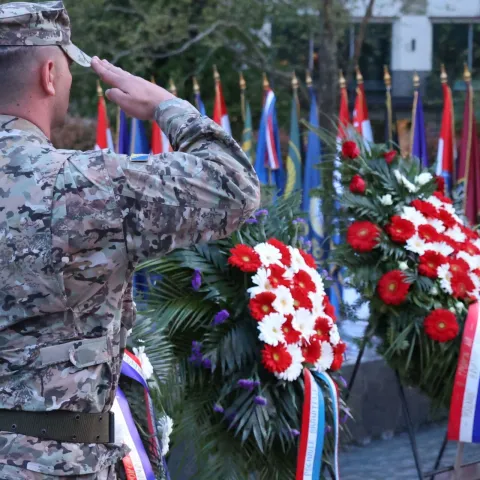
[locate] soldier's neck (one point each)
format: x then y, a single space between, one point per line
39 120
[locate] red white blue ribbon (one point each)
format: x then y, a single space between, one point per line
309 462
464 421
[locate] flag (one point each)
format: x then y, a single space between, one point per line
220 113
198 98
446 144
123 133
268 162
361 120
294 159
247 135
419 139
313 205
160 143
104 134
468 181
391 133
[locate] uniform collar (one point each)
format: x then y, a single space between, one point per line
9 123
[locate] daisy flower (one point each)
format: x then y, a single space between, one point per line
416 245
445 276
456 234
304 322
270 329
472 260
435 202
284 302
440 247
413 215
326 357
436 224
260 279
268 254
318 308
298 263
334 335
296 368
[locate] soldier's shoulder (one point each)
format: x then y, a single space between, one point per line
87 159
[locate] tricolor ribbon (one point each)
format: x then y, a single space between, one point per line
464 421
309 462
137 464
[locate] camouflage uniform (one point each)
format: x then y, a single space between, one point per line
73 227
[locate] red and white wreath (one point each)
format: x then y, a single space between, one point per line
296 321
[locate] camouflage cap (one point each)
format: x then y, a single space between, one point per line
37 24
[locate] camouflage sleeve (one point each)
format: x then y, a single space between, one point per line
202 191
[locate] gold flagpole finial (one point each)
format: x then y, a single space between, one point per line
196 86
153 80
416 80
295 81
243 83
467 76
216 75
172 88
308 79
443 74
359 75
387 77
266 84
99 89
341 80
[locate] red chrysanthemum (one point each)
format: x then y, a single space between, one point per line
392 288
425 208
309 260
441 325
261 305
286 256
276 277
390 156
443 198
458 265
400 230
276 359
329 308
450 241
304 281
358 185
462 285
428 233
469 233
471 249
311 351
301 299
440 181
245 258
350 150
291 335
338 355
446 218
429 263
322 329
363 236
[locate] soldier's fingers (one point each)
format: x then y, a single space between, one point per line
108 76
119 97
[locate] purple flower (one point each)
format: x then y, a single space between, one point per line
196 347
294 432
299 220
196 280
251 220
207 363
196 358
344 419
220 317
328 429
218 408
256 383
259 213
308 244
259 400
246 384
344 382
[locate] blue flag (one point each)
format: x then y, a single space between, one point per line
200 105
123 140
312 180
419 138
268 164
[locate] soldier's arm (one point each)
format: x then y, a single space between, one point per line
202 191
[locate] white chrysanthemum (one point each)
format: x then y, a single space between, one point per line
403 266
436 224
147 368
435 201
284 302
334 335
260 279
456 234
440 247
416 245
296 368
472 260
304 322
268 254
298 263
165 429
326 358
386 200
318 309
423 178
405 181
413 215
445 276
271 329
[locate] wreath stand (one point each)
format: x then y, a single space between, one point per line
436 471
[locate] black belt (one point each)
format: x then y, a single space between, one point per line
60 426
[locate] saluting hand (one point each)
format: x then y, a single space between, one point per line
137 97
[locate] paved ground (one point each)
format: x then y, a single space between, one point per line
392 459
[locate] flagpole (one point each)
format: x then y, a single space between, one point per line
295 86
196 91
243 87
388 86
444 80
467 77
172 88
266 88
416 86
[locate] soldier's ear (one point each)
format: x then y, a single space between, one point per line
47 77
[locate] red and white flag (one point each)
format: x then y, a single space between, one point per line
160 143
104 134
361 121
220 113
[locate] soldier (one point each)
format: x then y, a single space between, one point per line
73 227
